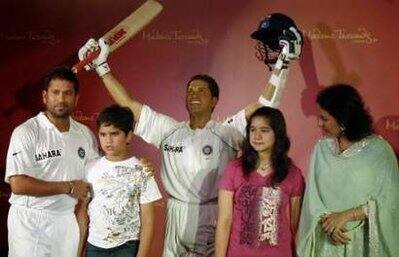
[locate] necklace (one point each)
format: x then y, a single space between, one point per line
265 167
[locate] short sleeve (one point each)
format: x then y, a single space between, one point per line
153 126
93 146
20 154
238 121
228 177
150 192
298 182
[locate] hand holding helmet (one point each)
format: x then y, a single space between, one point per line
279 40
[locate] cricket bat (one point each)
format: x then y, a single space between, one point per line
125 30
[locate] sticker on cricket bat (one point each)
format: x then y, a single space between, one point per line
125 30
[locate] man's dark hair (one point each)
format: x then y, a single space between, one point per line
345 104
120 117
62 73
212 84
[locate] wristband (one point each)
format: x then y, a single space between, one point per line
103 69
263 101
275 80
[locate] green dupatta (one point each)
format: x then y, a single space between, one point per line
365 174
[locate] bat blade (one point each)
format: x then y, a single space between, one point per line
125 30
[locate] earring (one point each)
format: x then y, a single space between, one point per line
341 131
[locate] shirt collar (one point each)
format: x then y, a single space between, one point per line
48 124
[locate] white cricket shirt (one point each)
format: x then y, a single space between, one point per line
192 160
38 149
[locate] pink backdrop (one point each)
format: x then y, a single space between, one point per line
345 41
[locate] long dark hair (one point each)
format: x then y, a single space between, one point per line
345 104
279 157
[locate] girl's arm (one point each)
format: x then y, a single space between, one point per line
225 218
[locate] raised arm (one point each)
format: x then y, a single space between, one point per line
291 47
121 96
271 93
114 87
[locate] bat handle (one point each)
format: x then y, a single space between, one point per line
89 58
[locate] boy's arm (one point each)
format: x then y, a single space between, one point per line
147 228
83 221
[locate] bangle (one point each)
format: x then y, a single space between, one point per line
71 188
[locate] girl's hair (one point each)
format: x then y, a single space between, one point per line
279 157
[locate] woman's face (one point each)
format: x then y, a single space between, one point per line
328 124
261 135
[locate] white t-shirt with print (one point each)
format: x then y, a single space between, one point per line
118 190
192 160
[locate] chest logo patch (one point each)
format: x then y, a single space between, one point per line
47 154
207 150
173 148
81 152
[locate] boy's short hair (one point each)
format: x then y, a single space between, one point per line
62 73
120 117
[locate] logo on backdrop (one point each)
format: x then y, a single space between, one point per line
358 35
81 116
42 36
192 37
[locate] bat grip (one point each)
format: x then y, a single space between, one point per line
89 58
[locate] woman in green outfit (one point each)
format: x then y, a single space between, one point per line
351 203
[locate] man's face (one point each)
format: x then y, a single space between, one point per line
60 98
199 98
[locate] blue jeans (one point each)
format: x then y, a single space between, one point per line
128 249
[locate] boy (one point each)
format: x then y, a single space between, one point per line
121 211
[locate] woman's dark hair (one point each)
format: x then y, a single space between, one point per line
279 157
345 104
118 116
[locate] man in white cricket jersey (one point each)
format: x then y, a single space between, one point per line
194 153
45 168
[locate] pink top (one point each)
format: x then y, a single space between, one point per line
261 223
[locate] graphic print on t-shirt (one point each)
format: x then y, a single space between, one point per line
121 188
260 209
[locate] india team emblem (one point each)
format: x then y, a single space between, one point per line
207 150
81 152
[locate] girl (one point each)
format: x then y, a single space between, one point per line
260 193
